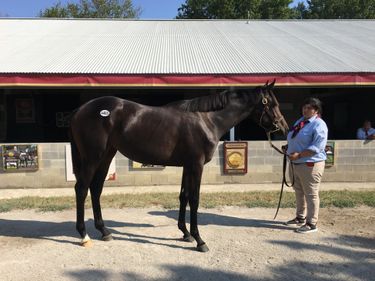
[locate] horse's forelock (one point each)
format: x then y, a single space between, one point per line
267 92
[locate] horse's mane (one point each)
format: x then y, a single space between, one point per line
203 104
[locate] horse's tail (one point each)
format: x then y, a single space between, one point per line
74 150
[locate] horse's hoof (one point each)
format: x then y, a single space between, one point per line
86 241
107 237
202 248
188 238
87 244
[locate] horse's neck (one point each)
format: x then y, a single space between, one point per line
230 116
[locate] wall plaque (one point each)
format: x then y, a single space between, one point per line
235 157
330 151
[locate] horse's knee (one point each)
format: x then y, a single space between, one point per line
183 197
80 190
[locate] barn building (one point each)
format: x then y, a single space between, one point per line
49 67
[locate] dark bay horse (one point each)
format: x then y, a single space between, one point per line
184 133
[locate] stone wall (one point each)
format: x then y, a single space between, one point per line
354 161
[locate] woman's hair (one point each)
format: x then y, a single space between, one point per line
315 103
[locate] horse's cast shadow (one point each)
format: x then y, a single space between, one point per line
204 219
63 232
53 231
223 220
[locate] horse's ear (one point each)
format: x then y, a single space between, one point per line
273 83
266 85
270 86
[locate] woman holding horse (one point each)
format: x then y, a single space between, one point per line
306 149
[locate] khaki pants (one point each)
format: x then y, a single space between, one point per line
306 186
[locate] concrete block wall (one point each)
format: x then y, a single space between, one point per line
354 161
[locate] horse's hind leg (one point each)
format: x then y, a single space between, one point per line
81 189
81 194
96 188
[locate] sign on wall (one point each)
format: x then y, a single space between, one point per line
141 166
330 151
111 175
19 157
25 111
235 157
63 119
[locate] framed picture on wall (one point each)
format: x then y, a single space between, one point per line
25 111
19 157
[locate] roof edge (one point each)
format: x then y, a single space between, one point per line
207 80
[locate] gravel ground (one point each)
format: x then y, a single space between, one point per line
245 244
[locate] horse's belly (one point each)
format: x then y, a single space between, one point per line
149 154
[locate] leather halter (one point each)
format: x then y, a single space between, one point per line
266 109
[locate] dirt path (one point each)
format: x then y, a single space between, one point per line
245 244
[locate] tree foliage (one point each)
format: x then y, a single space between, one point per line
277 9
341 9
234 9
93 9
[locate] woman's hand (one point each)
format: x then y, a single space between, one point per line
294 156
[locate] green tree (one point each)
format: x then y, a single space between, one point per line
247 9
194 9
300 11
235 9
275 9
341 9
93 9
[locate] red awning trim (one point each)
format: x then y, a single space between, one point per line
224 80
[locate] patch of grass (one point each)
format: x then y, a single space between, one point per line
38 203
341 199
347 199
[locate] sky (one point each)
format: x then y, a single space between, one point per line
151 9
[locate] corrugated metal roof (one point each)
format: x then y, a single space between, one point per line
186 46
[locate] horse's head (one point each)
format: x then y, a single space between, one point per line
267 112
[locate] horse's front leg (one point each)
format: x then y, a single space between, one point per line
194 178
184 197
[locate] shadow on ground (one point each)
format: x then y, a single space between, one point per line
47 230
357 263
223 220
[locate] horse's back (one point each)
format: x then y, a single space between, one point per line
154 135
